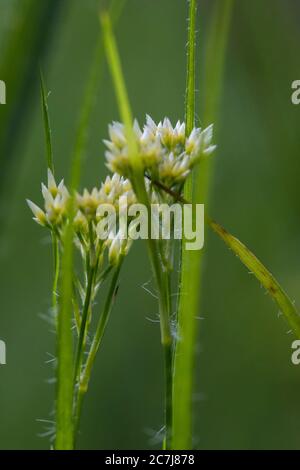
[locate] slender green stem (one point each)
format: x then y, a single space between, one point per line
47 127
192 262
84 324
101 326
168 357
191 76
184 352
138 182
56 266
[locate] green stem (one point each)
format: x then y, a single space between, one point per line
184 351
192 261
138 182
56 266
191 76
84 324
102 323
64 404
168 356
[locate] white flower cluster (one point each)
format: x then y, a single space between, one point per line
55 203
167 154
55 212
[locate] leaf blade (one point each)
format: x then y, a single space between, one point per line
263 275
46 120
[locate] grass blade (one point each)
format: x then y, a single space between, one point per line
214 72
120 88
215 58
50 164
47 127
262 274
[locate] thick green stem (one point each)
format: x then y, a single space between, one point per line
64 404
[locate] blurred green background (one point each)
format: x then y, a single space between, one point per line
247 391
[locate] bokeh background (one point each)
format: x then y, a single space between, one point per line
247 391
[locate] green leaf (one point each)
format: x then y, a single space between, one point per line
262 274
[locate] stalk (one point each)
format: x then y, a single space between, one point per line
184 352
191 280
84 324
138 182
101 326
56 267
65 369
64 402
50 165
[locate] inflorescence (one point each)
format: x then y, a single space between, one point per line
168 156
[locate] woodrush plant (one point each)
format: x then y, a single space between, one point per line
158 163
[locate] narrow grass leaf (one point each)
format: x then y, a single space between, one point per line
262 274
46 120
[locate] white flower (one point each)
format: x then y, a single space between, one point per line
118 246
55 200
88 202
55 203
80 222
52 186
170 137
199 143
39 215
113 188
174 170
